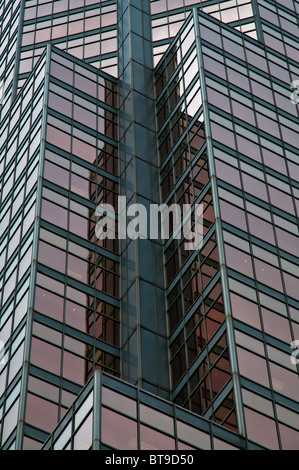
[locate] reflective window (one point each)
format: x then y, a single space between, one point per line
118 431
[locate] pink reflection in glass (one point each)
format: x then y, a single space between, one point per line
83 437
193 436
59 138
243 112
255 187
262 91
62 73
76 27
84 150
91 50
249 148
238 260
289 136
60 104
92 23
81 186
41 413
85 85
266 124
25 65
227 173
79 225
49 304
281 200
151 439
289 438
56 174
223 135
118 431
285 381
210 36
44 10
43 35
45 356
85 117
253 367
28 38
30 13
60 5
261 229
268 275
78 269
276 326
51 256
54 214
261 429
108 19
287 241
74 368
245 311
59 31
233 215
75 315
238 79
274 161
182 446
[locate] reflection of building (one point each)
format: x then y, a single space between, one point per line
197 338
102 320
132 421
71 291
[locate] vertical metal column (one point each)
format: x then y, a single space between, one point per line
144 355
257 19
18 51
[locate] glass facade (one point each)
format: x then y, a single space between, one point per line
261 269
199 358
21 131
11 14
164 102
110 414
60 298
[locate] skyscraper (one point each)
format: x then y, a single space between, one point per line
162 102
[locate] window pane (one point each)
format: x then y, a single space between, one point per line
261 429
151 440
83 437
41 413
118 431
253 367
